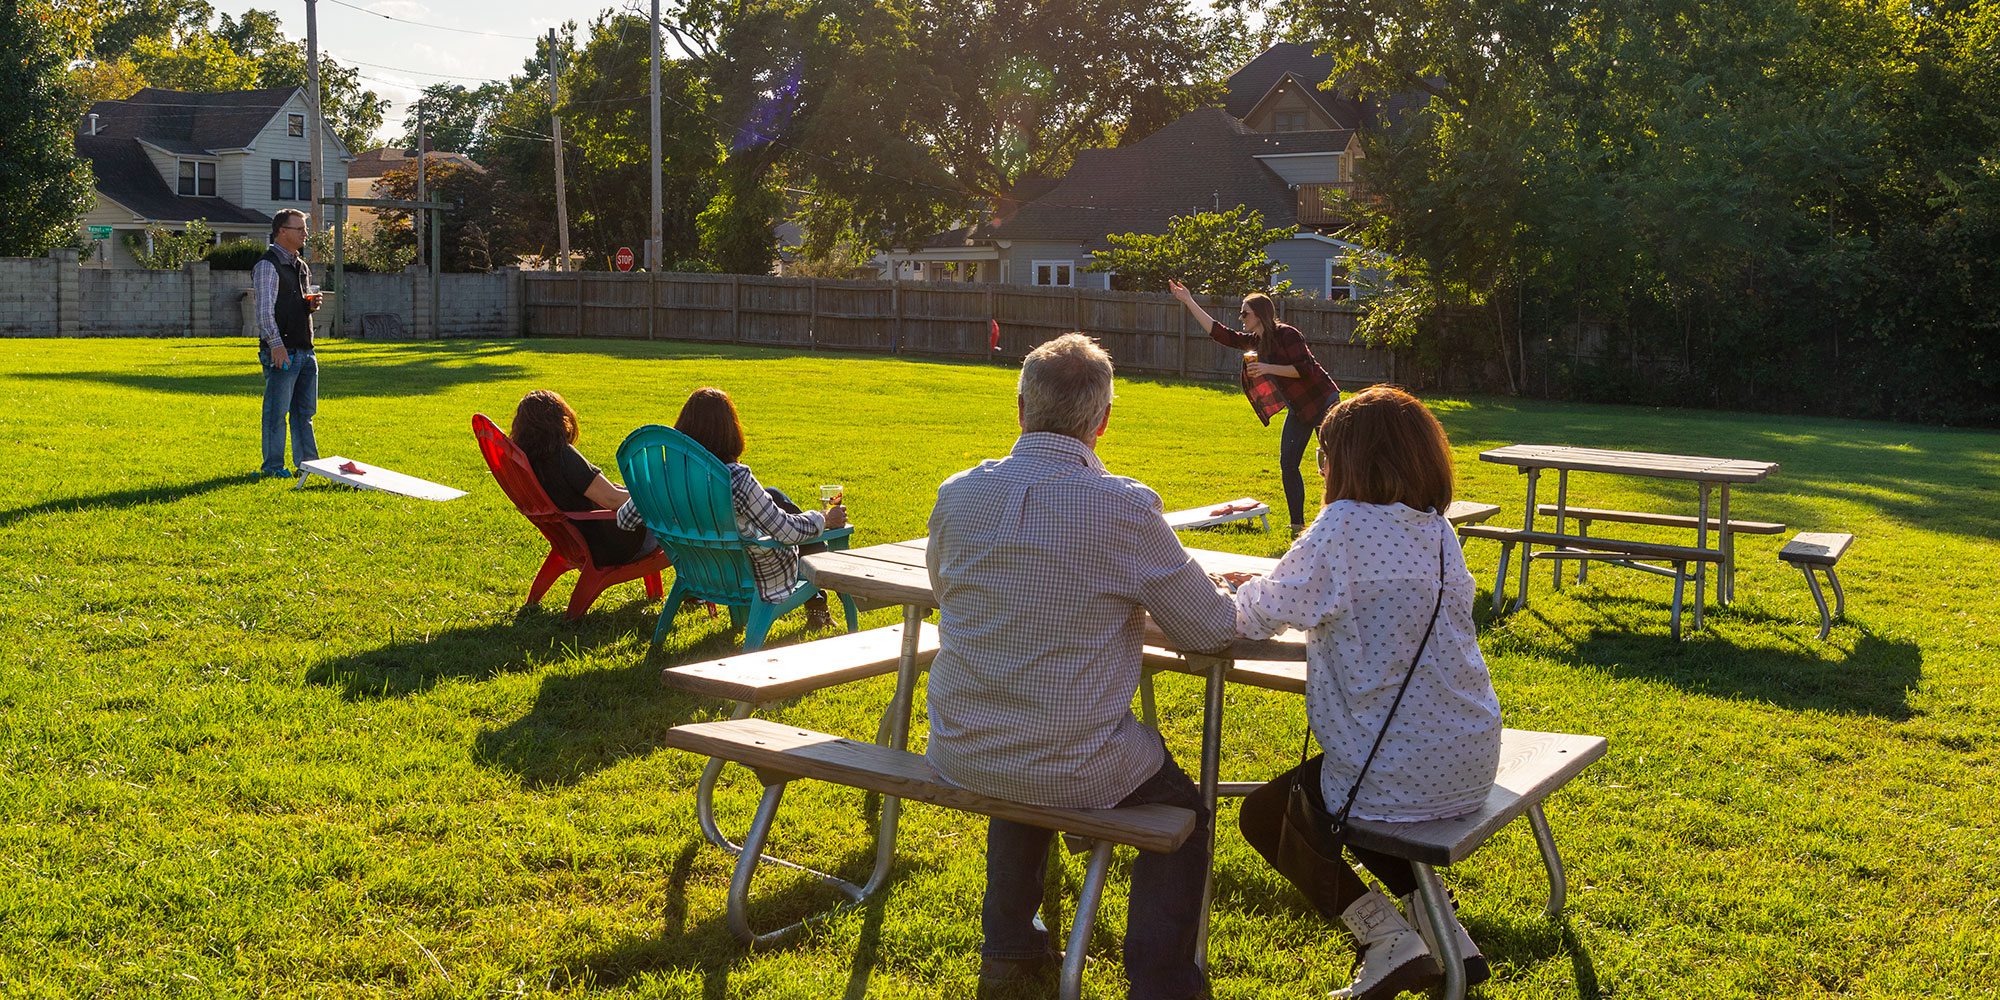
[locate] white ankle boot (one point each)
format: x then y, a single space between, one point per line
1393 957
1476 970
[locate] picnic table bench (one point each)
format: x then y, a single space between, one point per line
1587 547
763 676
1584 516
781 754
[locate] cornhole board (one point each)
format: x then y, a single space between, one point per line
1199 517
370 477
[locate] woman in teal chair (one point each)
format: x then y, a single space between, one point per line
709 417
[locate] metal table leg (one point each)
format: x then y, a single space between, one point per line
1725 578
1444 933
1528 524
1086 916
1562 512
1211 764
1701 569
1551 860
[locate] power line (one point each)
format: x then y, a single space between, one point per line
437 27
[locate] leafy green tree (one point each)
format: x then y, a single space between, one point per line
456 117
475 232
199 62
43 186
1213 253
171 250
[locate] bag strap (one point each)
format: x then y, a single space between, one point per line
1340 817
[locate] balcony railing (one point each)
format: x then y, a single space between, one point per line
1319 203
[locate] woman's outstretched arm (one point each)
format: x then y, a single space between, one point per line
1187 299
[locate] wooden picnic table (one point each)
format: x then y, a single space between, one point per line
898 572
1706 473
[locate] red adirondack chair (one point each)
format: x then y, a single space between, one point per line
567 549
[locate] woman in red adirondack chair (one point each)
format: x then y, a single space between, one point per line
545 429
709 417
1282 356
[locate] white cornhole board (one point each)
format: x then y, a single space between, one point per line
1199 517
375 478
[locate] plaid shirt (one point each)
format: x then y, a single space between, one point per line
1311 392
776 570
1044 567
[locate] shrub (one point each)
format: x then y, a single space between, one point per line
236 255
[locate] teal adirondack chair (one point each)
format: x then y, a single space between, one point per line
683 492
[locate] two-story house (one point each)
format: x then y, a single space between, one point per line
1280 143
163 158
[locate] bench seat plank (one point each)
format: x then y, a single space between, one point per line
1661 520
1820 548
1199 517
776 749
1642 550
1467 512
782 672
1532 765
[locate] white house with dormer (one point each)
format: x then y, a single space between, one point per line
164 157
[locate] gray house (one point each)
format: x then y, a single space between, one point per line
1278 143
163 158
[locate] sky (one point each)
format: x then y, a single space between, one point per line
397 58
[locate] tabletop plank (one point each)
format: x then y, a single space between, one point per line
896 572
1631 463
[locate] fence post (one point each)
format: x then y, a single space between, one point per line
69 292
652 301
993 317
735 309
1185 320
1076 303
199 321
812 312
578 284
896 309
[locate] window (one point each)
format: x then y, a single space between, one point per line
1054 273
197 179
1337 285
1288 121
291 180
295 125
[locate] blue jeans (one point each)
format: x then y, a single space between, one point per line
289 392
1163 913
1300 425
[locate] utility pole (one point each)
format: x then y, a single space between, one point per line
313 111
655 247
555 132
423 142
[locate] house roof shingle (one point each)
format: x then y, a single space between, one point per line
1203 161
126 175
379 161
1248 85
191 123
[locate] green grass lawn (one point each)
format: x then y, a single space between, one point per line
257 742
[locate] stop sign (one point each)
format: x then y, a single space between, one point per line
624 258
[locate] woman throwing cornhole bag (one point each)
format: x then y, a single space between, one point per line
1281 372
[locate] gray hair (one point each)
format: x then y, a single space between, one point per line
1066 387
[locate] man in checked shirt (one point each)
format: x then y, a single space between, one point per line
1045 566
285 342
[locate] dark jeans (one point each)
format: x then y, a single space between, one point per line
1298 432
290 394
1160 919
1264 814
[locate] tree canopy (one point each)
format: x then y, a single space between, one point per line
42 183
1213 253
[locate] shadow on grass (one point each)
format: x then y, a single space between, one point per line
125 499
1874 676
416 663
350 376
710 948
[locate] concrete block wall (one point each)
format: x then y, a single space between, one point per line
53 297
138 303
29 295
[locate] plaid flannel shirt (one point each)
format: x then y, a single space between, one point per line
1311 392
1045 567
776 569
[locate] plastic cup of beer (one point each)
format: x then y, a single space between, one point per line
1249 357
312 295
832 495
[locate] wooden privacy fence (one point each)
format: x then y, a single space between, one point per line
1147 333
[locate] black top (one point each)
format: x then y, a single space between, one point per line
565 475
290 311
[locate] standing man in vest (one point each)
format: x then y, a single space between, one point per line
285 343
